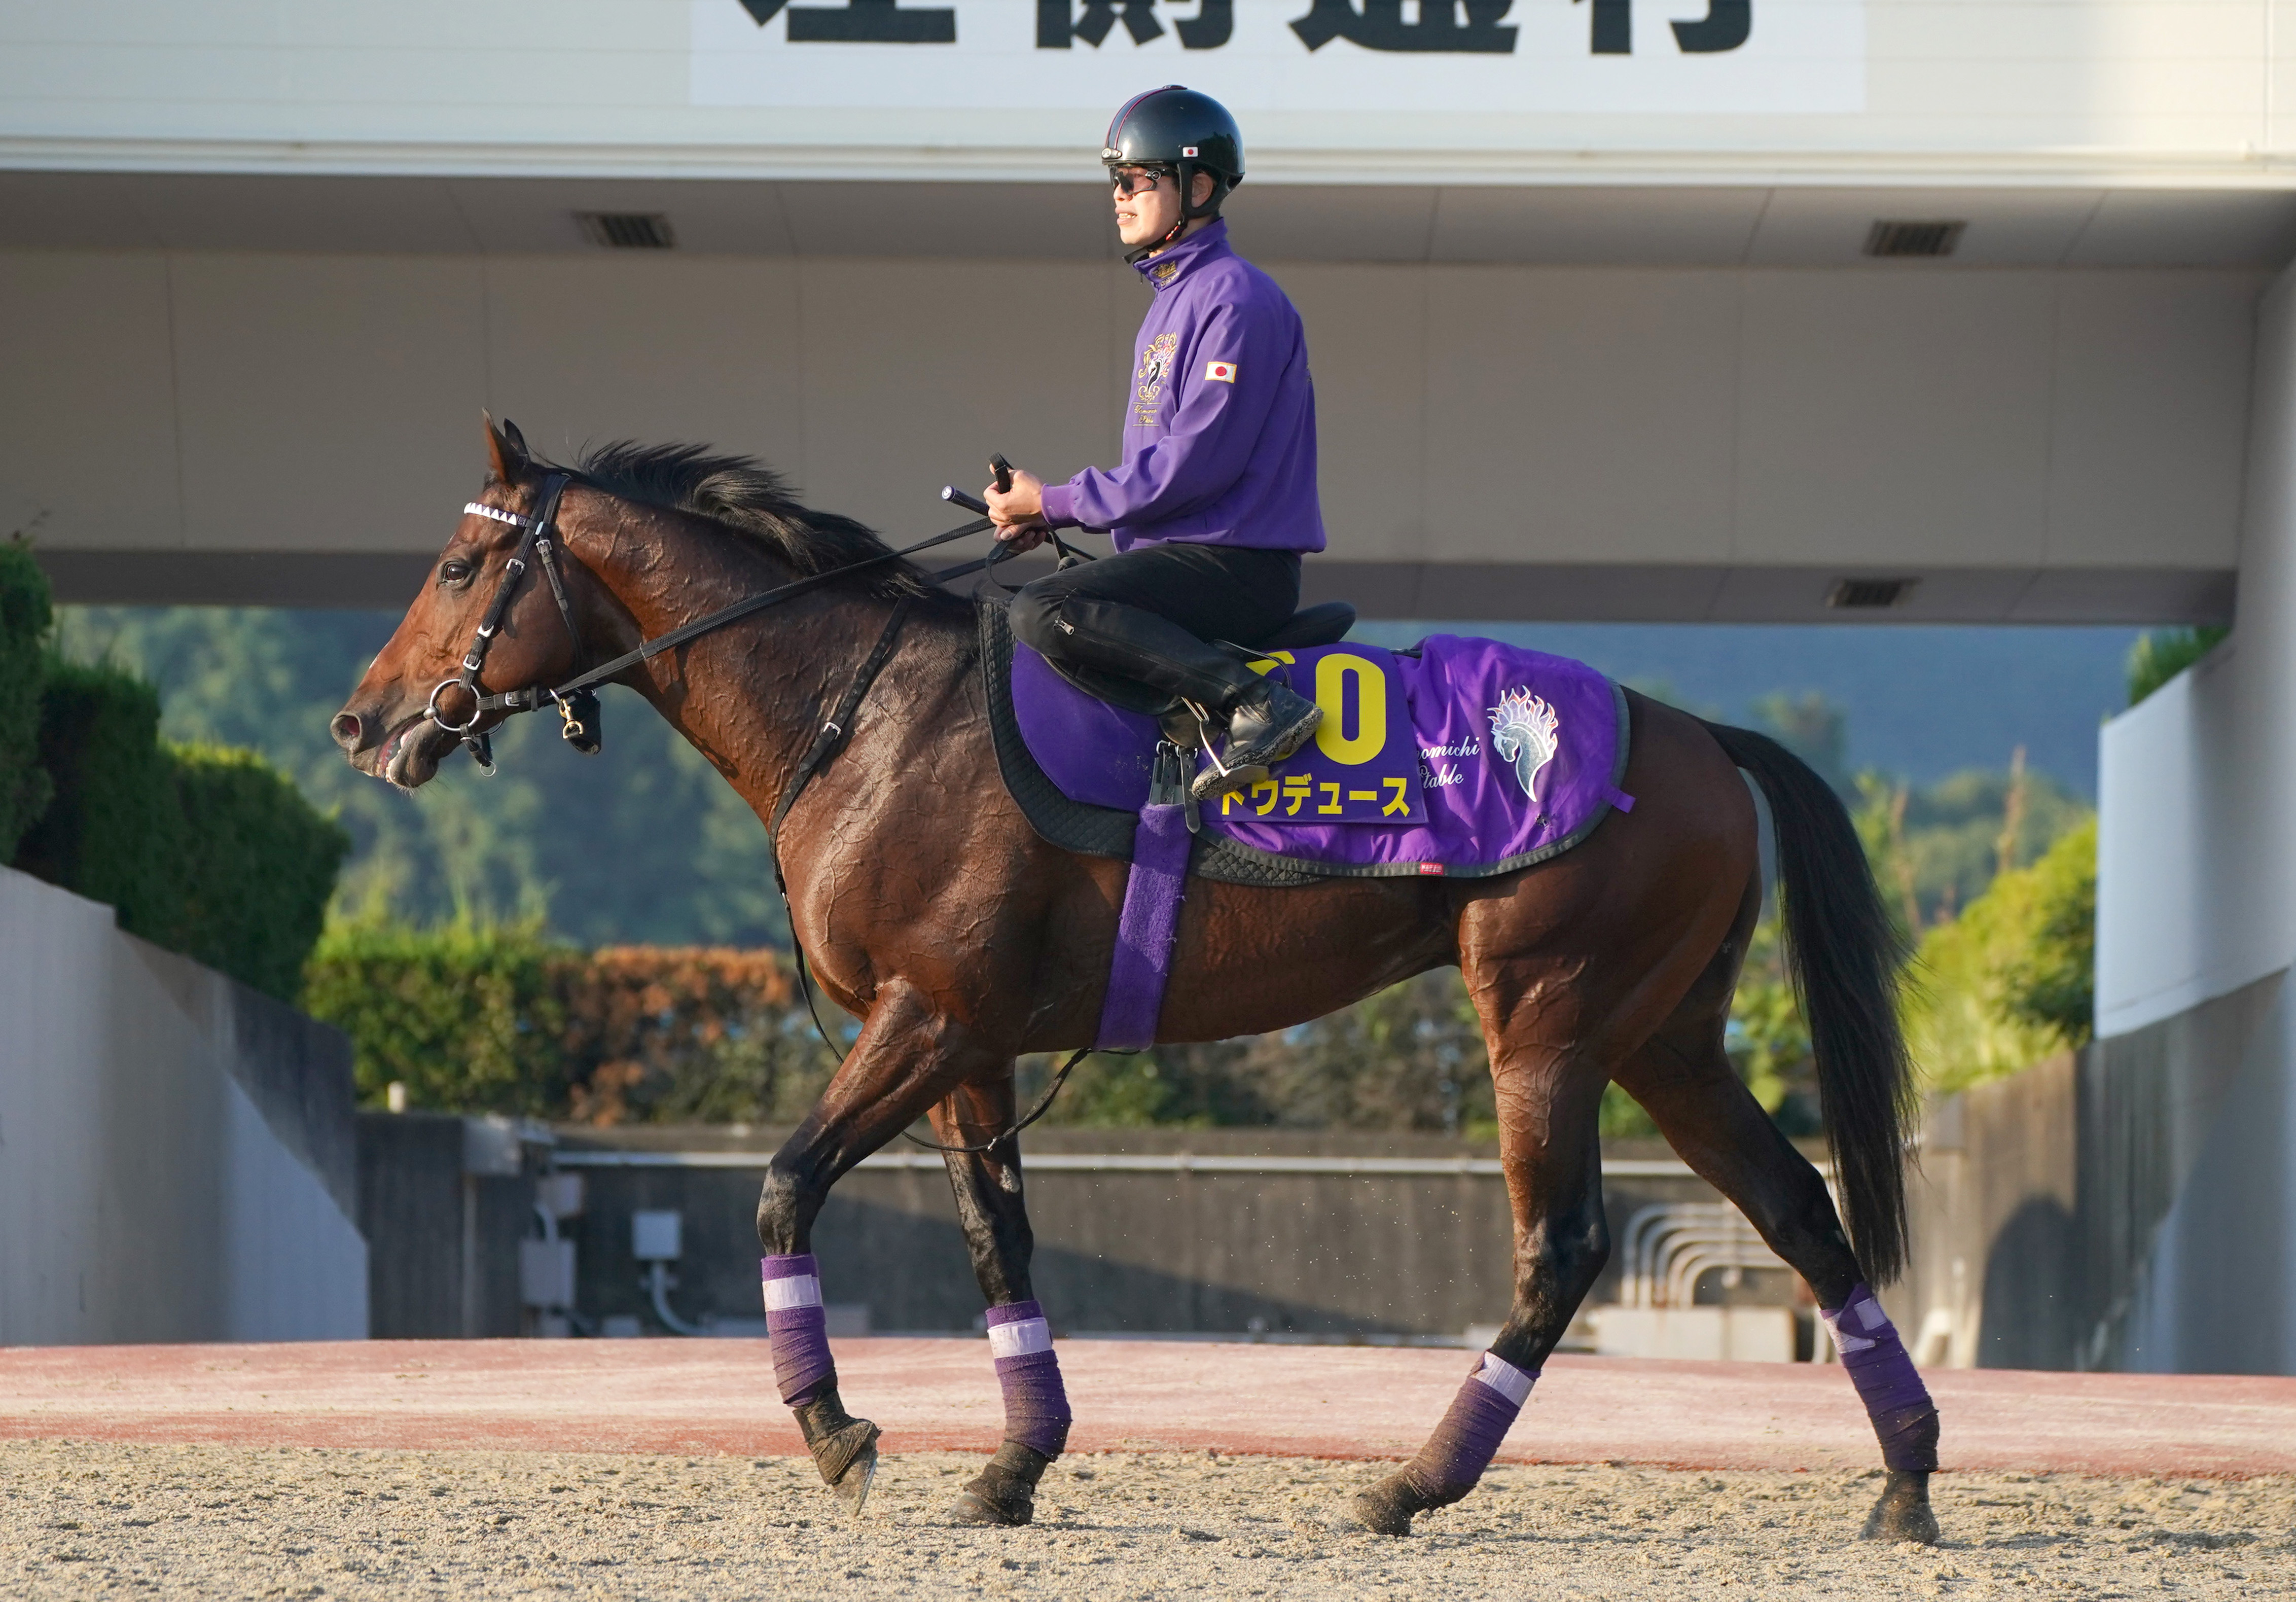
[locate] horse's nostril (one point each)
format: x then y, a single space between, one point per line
349 731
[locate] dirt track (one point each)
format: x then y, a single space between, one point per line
89 1520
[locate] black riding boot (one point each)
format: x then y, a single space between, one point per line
1093 639
1267 722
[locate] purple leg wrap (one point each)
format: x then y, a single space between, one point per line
1036 1403
798 1327
1904 1417
1464 1443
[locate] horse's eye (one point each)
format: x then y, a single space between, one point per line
453 571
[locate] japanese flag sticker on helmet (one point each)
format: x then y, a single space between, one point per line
1220 372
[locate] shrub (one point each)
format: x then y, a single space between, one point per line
24 617
2005 983
468 1017
205 850
702 1033
499 1019
114 831
2159 654
259 868
2053 984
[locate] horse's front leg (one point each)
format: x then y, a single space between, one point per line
909 1057
996 1222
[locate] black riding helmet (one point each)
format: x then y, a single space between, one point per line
1185 131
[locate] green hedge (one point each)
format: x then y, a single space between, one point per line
114 831
24 619
259 868
468 1018
500 1019
204 851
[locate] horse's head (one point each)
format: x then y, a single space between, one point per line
410 712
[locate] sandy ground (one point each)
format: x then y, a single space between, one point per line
110 1520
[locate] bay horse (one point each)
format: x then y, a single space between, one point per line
933 911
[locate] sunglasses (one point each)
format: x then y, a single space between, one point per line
1129 181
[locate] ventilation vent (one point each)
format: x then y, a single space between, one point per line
626 230
1913 239
1869 594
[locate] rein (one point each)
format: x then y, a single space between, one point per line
536 543
577 703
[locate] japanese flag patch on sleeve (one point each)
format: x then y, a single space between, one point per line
1220 372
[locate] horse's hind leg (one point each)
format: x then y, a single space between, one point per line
1548 1102
996 1222
1685 1081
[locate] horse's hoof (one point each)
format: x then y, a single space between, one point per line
1386 1508
1001 1493
1903 1513
852 1486
978 1504
848 1462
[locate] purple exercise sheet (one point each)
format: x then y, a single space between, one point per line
1463 756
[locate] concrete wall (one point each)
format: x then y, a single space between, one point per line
2061 1218
2196 929
1496 440
1154 1251
1996 1278
177 1156
443 1202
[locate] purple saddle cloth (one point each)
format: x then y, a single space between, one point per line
1461 757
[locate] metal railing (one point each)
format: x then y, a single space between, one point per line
1668 1245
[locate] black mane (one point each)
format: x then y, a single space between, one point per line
742 494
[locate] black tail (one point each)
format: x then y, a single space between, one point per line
1845 954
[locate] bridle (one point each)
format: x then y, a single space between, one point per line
577 699
577 705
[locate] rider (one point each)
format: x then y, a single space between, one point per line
1215 500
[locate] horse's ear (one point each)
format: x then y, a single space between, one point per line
507 458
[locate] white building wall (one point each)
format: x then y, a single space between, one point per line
2196 930
665 88
144 1195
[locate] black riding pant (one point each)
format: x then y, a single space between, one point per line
1141 618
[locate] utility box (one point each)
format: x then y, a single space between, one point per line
546 1273
655 1235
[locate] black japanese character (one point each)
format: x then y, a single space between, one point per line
1614 27
1726 25
1379 25
859 22
1058 21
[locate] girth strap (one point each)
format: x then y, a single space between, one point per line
831 738
826 744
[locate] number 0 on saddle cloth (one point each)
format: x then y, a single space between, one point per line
1462 756
1363 765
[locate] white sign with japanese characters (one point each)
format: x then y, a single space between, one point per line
1653 57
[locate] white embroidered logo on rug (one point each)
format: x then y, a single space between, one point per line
1525 731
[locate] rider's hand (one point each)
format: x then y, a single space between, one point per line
1019 512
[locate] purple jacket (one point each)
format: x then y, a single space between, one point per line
1219 427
